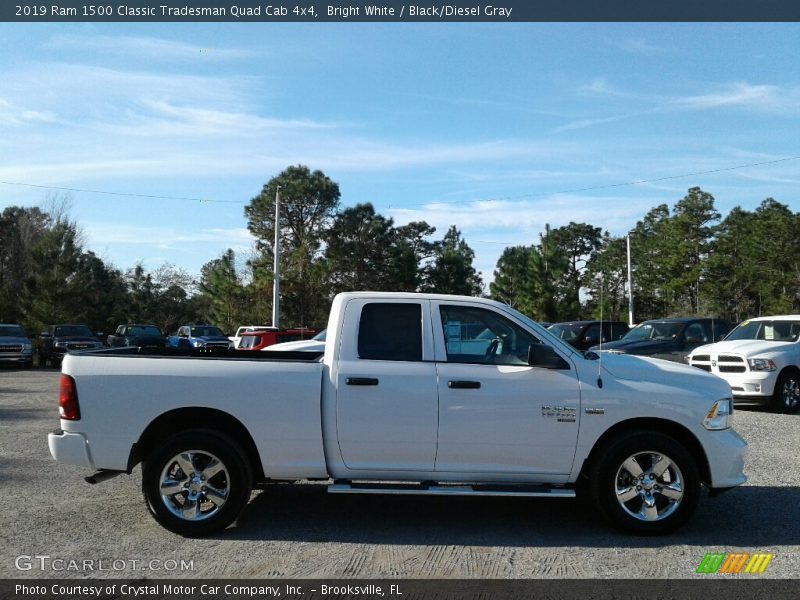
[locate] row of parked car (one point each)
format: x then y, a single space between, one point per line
759 358
17 349
670 339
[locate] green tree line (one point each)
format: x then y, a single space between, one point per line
686 260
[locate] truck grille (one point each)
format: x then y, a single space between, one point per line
722 363
79 346
217 345
731 364
10 347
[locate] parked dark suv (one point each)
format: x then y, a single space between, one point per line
670 339
585 334
15 347
134 334
58 339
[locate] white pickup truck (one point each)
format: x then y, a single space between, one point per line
414 394
760 360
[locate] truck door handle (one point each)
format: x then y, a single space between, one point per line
464 385
361 381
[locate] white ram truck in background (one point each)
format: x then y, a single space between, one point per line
760 360
414 394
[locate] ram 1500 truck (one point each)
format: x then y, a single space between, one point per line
199 336
414 394
760 360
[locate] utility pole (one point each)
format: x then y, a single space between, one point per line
276 269
630 284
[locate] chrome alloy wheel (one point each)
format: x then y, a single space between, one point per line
649 486
194 485
790 394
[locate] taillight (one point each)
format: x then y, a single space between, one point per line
68 399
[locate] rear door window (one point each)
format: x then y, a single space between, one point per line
390 331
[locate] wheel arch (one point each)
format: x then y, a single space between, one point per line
656 425
183 419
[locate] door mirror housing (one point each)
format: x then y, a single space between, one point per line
543 356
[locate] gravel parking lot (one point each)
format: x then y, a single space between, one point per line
300 531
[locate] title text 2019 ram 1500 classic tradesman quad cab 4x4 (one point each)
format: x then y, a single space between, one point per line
414 394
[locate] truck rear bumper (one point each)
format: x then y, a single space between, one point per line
70 448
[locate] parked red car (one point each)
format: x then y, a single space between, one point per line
256 340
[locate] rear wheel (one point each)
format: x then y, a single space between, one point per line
786 397
645 483
197 482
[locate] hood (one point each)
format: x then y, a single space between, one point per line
643 368
745 347
75 338
13 339
212 338
634 346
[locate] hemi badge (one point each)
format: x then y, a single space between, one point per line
595 411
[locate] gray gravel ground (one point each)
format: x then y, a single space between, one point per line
299 531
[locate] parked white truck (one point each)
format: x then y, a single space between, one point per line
414 394
760 360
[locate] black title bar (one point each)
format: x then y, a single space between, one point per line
393 11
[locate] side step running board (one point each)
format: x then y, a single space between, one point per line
537 491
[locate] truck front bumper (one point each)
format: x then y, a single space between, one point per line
70 448
753 386
726 451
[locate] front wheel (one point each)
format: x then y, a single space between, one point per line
197 482
786 397
645 483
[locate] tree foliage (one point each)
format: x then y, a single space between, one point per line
686 259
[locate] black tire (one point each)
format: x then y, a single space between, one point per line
179 512
786 397
609 476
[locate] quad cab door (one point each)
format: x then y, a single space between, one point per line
497 414
386 399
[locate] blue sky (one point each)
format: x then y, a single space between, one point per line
491 127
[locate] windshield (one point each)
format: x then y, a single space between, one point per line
76 330
205 331
654 330
769 331
142 330
11 331
566 331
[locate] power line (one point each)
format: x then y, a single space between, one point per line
521 196
108 193
616 185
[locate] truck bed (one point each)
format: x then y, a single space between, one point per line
207 354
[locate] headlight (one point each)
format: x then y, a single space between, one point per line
199 343
720 416
26 347
61 344
761 364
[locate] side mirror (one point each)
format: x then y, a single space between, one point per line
543 356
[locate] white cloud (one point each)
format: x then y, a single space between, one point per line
149 48
639 46
761 98
99 232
